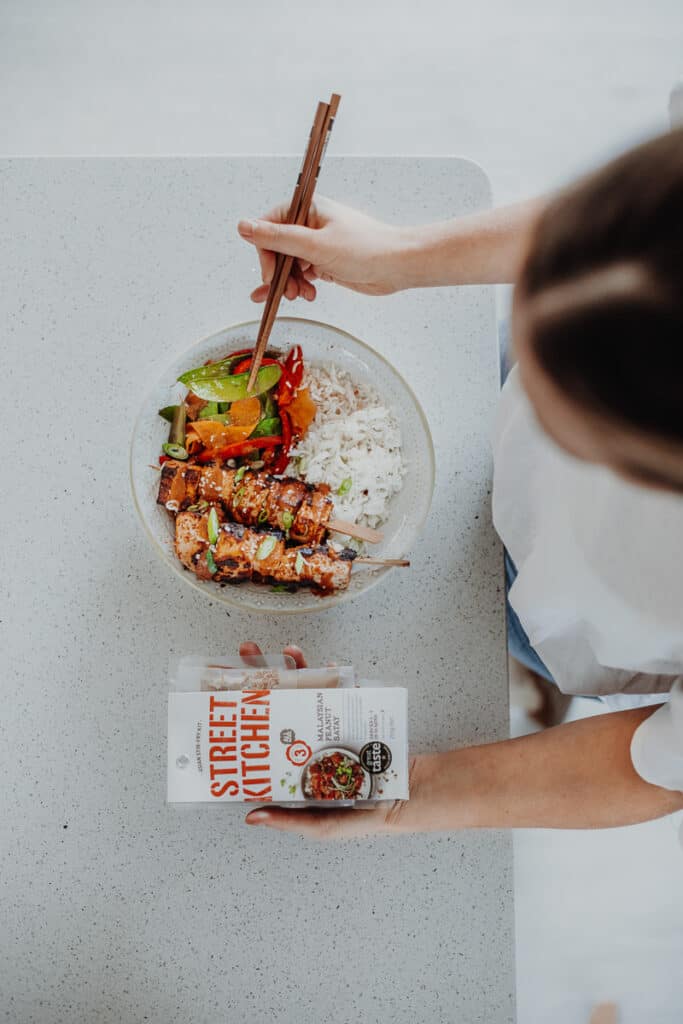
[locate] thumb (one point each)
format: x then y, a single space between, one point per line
290 239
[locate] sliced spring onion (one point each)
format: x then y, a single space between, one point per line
263 516
299 563
201 506
239 495
345 486
240 473
167 412
213 526
287 520
280 588
213 568
265 548
174 451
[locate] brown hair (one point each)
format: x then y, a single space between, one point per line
603 287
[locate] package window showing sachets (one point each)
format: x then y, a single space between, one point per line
335 744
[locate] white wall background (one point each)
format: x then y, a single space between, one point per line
531 89
534 90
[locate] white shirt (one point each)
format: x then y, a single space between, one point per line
599 589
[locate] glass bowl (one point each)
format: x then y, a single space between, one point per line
321 343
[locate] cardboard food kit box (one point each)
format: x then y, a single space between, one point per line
246 735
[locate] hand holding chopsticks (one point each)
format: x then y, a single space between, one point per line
297 214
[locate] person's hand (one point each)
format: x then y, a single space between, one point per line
388 818
249 649
337 244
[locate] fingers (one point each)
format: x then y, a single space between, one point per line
291 239
297 654
249 649
267 261
320 824
304 290
260 294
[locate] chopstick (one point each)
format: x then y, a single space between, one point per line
297 214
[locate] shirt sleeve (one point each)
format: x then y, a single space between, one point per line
657 744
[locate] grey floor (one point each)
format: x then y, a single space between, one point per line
535 91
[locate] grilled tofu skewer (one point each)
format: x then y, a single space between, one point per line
241 553
303 511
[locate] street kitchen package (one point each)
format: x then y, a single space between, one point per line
288 746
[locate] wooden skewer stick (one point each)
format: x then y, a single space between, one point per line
383 561
355 530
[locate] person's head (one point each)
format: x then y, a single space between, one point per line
598 315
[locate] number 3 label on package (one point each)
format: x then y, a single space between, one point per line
298 753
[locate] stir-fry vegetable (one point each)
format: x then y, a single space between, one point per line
220 421
213 526
265 548
175 446
174 451
268 428
280 464
235 451
229 388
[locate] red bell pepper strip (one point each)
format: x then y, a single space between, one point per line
280 464
294 364
163 459
285 390
245 364
233 451
292 376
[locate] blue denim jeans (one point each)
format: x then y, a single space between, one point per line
518 641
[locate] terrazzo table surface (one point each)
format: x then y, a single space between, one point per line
116 907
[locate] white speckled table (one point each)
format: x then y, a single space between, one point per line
114 906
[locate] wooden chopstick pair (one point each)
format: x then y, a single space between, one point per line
299 208
297 214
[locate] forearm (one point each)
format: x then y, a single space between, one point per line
577 775
482 248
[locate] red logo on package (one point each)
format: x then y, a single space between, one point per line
298 753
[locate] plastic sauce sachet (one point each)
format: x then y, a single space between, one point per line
216 674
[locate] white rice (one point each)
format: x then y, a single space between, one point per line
354 437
